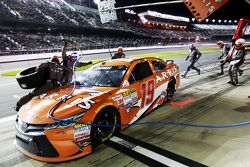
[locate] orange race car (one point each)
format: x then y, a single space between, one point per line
56 126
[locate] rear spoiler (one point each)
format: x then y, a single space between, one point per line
170 61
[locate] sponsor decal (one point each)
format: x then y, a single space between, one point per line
84 143
83 103
120 101
130 99
125 84
82 132
129 92
166 75
103 105
52 96
64 97
103 68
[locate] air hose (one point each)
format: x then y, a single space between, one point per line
163 123
52 109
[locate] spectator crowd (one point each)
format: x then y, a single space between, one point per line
58 12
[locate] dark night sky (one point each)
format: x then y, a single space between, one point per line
234 9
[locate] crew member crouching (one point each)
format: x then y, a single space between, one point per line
54 72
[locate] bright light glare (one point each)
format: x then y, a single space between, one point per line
97 1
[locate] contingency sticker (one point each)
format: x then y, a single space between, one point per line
130 98
120 101
82 132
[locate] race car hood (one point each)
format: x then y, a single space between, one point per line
36 111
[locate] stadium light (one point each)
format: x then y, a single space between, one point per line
207 20
230 21
97 1
193 19
213 20
219 21
225 21
235 21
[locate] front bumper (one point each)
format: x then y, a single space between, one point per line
35 142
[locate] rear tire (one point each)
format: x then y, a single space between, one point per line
171 90
100 134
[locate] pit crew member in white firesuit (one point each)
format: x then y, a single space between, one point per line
54 73
119 54
68 62
225 50
237 59
193 56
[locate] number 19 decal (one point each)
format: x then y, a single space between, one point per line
147 90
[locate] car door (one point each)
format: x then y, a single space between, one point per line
141 90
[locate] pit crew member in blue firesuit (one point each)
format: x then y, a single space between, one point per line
119 54
225 50
237 59
193 56
54 72
68 62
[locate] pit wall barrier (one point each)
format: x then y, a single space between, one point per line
40 56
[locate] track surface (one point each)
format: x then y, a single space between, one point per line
216 103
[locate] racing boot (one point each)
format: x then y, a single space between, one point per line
184 75
221 73
199 71
222 70
240 72
232 82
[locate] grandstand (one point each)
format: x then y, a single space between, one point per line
31 26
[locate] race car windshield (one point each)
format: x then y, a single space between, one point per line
107 76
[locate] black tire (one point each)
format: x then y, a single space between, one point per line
29 78
171 90
100 134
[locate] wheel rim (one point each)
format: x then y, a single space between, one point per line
103 133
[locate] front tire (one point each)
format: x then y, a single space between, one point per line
102 133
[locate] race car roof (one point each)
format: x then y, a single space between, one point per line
122 61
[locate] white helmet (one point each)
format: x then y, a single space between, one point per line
240 42
191 46
74 54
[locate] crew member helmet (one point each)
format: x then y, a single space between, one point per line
74 56
191 46
55 59
239 43
220 44
120 49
